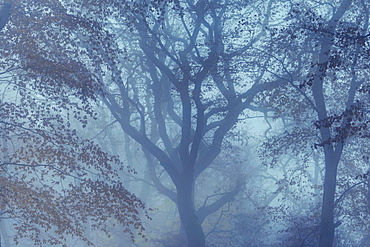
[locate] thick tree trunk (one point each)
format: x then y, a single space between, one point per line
332 152
188 216
327 214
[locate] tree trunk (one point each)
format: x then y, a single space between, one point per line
188 216
326 238
332 152
5 14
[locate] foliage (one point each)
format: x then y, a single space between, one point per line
52 181
177 77
326 55
171 73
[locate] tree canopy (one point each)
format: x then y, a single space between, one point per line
52 181
179 78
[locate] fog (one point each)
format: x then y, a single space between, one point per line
184 123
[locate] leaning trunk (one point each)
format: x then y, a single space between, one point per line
188 216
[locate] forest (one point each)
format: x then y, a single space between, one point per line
173 123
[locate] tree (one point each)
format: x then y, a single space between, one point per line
183 56
52 181
177 77
330 74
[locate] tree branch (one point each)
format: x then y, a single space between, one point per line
204 211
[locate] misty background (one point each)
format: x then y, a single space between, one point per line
184 123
